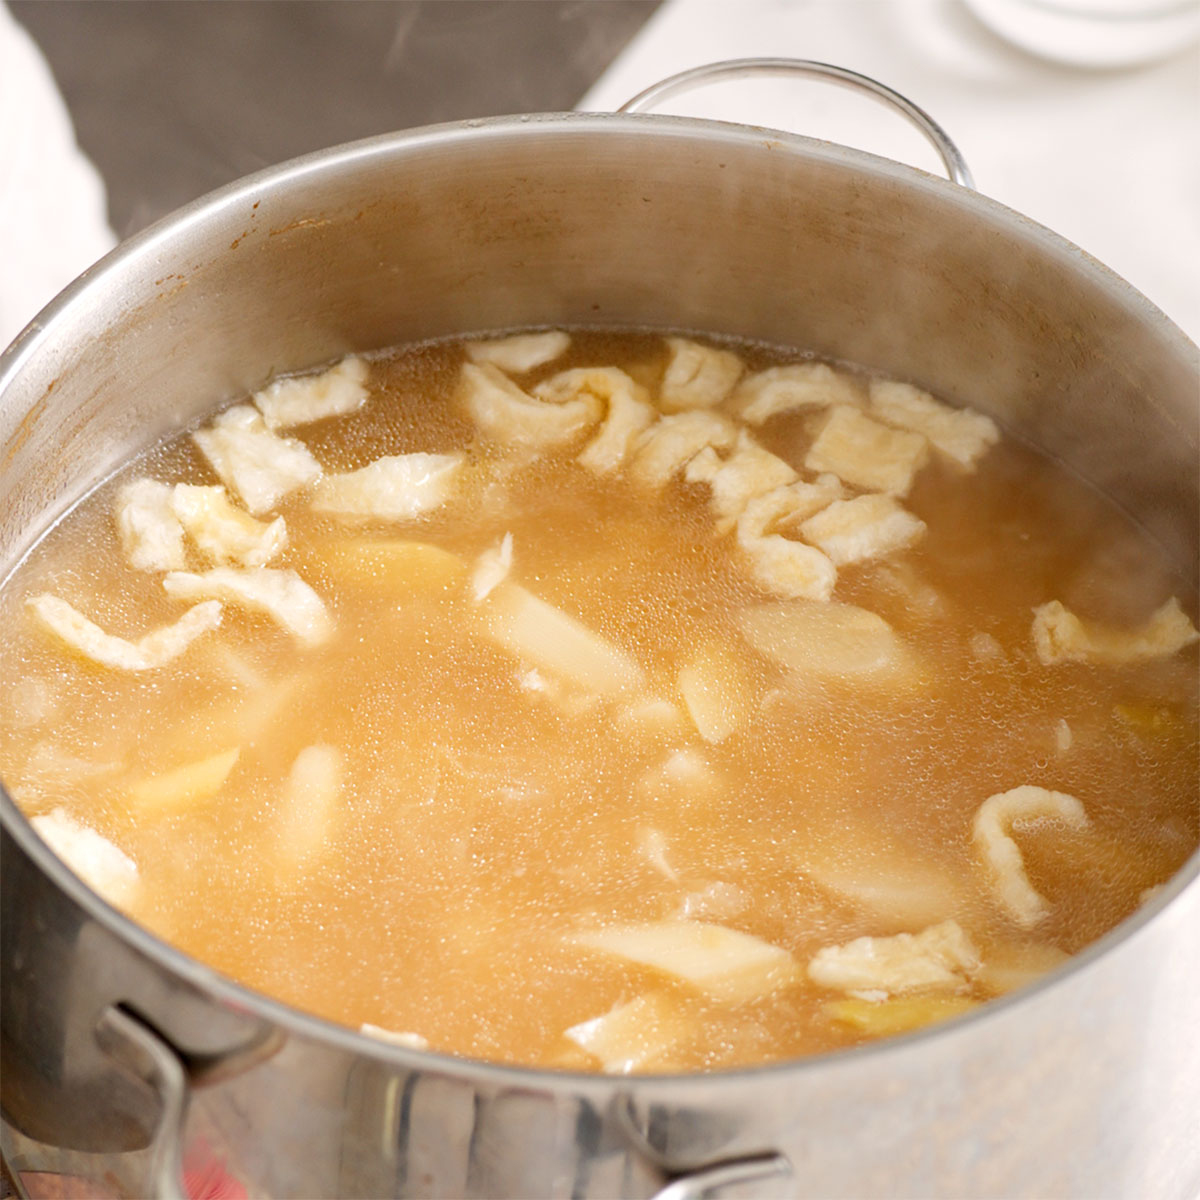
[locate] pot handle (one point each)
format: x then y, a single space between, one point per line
764 1175
685 81
144 1054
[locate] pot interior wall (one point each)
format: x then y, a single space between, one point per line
615 221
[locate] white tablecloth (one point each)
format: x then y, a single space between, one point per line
53 223
1108 159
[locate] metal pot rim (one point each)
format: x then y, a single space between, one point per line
348 155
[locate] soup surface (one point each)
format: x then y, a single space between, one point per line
702 708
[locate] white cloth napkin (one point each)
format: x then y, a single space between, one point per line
1108 159
52 203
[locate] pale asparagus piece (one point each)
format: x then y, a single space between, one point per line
634 1036
723 962
492 568
718 691
558 643
183 788
310 804
829 641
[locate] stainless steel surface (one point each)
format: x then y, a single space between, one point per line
139 1051
741 68
1084 1086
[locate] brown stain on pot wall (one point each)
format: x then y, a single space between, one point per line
302 223
182 282
25 427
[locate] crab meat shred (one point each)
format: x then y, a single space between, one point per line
397 1037
150 533
183 787
302 399
396 487
822 642
791 569
520 352
961 434
224 533
259 466
103 866
556 642
492 568
154 649
633 1036
697 376
670 443
505 413
788 506
941 958
725 963
310 804
781 565
748 472
865 454
869 526
282 595
1060 636
627 412
991 832
789 389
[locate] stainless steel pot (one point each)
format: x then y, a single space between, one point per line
130 1065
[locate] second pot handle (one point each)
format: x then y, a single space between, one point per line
685 81
142 1052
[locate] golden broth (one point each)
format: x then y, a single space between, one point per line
488 815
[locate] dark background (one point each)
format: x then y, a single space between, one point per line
172 98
